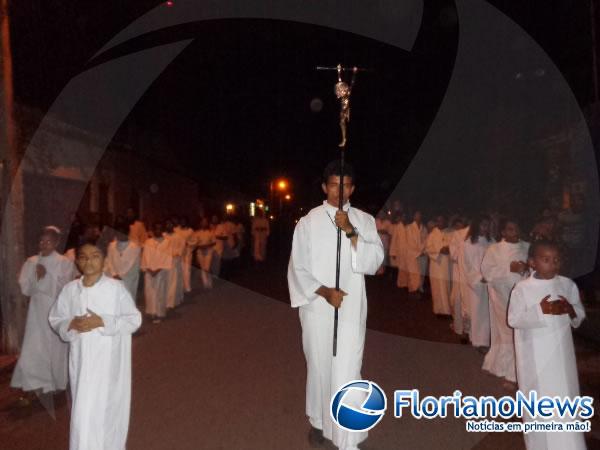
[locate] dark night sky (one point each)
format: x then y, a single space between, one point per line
234 107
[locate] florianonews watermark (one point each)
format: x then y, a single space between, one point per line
541 413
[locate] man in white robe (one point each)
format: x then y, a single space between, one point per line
311 280
42 364
437 247
457 291
542 310
416 261
123 261
504 265
260 235
96 316
157 261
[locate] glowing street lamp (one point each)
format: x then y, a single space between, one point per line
229 208
288 197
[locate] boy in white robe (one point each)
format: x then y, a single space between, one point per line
123 260
416 261
42 364
457 290
437 247
311 280
157 261
96 316
504 265
542 310
477 304
260 235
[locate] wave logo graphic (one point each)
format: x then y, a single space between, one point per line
358 405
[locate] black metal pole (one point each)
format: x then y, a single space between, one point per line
339 252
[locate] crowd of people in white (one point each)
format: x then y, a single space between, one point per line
472 266
507 297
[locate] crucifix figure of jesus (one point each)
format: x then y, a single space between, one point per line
343 92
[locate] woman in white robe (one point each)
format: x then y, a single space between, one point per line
97 316
542 310
42 363
312 267
477 303
416 261
123 263
157 261
437 249
504 265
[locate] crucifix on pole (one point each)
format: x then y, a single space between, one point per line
343 91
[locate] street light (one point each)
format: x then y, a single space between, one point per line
280 184
288 197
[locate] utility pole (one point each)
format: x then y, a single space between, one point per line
11 200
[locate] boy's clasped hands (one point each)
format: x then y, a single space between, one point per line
557 307
86 322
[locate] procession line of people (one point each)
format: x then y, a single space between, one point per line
506 297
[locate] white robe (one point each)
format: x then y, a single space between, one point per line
385 229
500 360
206 255
186 257
124 263
416 261
312 264
458 288
42 363
231 246
99 362
544 351
398 253
175 277
439 270
260 235
477 303
157 255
